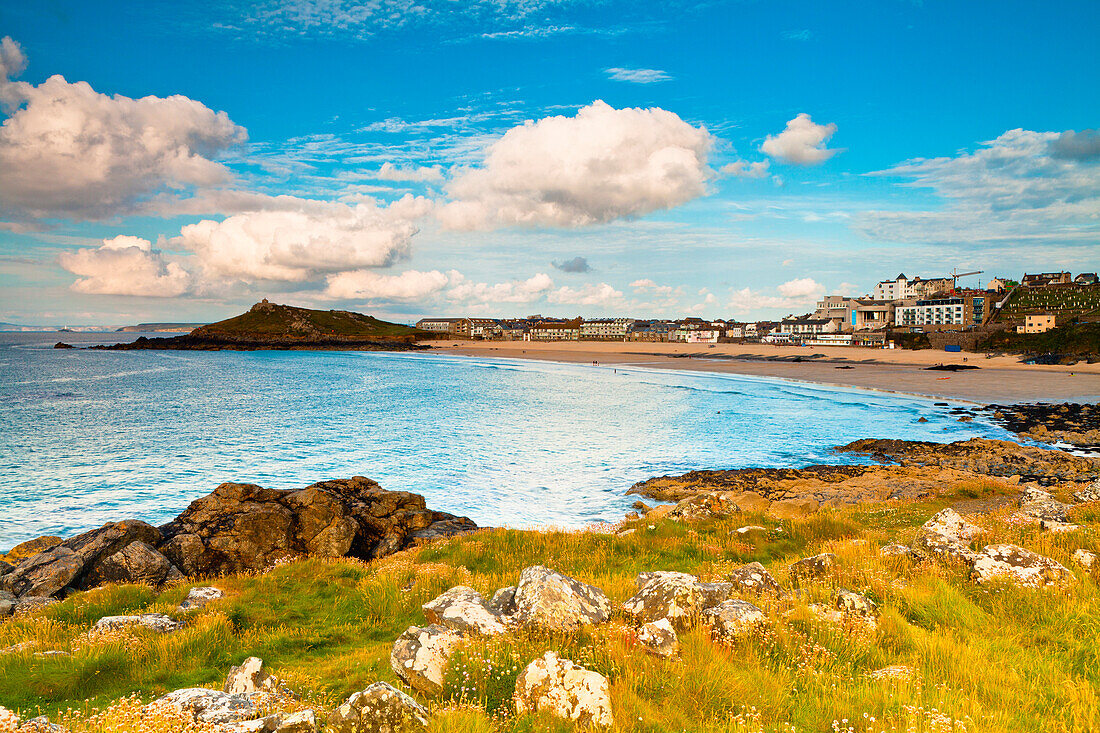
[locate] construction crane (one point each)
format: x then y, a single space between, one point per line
955 275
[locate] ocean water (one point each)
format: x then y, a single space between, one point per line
88 437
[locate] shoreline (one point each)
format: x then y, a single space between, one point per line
999 379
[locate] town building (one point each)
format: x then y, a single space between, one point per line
1036 324
1086 278
452 326
1041 279
807 326
650 330
606 329
940 314
554 331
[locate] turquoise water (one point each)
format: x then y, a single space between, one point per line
88 437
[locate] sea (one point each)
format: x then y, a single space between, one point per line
88 437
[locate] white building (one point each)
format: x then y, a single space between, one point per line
944 312
690 335
896 289
606 329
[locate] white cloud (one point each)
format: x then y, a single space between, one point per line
369 285
68 151
637 76
126 266
1022 186
599 294
303 244
516 291
745 169
603 164
390 172
644 283
802 142
803 287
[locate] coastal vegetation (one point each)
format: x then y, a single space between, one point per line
1075 340
944 654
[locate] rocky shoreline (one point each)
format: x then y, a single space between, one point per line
1072 423
236 528
190 342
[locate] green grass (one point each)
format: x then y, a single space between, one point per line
282 321
996 658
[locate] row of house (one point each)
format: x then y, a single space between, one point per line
539 328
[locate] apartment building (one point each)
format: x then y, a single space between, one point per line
442 325
941 314
554 331
606 329
1037 324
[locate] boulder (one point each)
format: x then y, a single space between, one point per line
551 600
41 724
1084 558
896 549
8 719
813 568
947 536
197 598
463 610
267 724
678 597
43 574
28 604
244 527
250 677
156 621
503 602
754 578
659 638
1021 565
379 709
443 529
751 529
7 603
32 547
303 721
733 618
137 562
854 604
561 688
207 706
1039 504
6 567
421 655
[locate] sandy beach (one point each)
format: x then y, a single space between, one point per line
999 379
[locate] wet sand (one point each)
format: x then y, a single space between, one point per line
997 380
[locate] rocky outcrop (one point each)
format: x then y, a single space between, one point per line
243 527
561 688
659 638
754 578
503 602
238 527
207 706
154 621
733 618
421 655
463 610
852 603
1089 493
678 598
1085 558
981 456
197 598
1041 506
1018 564
947 536
813 568
380 708
550 600
250 677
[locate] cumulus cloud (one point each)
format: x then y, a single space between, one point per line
126 265
369 285
637 76
802 142
516 291
417 174
745 169
1072 145
803 287
303 244
598 294
1023 185
603 164
575 265
67 151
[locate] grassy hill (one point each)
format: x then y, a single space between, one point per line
1072 339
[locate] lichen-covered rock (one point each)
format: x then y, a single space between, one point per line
8 719
250 677
659 638
561 688
1019 564
43 574
41 724
896 549
379 709
503 602
813 568
754 578
1084 558
303 721
1089 493
155 621
268 724
137 562
849 602
947 536
550 600
207 706
464 610
733 618
1039 504
678 597
7 603
197 598
6 567
420 656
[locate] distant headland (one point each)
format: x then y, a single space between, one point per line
271 326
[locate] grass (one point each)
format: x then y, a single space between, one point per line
983 658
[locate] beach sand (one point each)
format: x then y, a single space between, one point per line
1000 379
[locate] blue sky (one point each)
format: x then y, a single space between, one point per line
502 157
